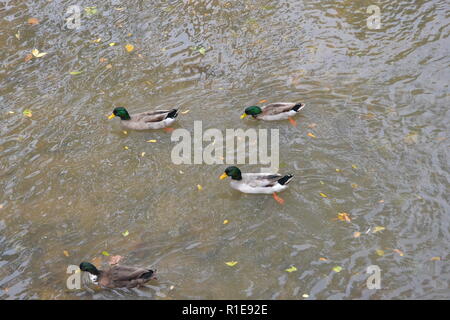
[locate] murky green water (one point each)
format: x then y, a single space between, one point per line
377 102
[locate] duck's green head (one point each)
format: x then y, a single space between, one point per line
232 172
89 267
120 112
251 111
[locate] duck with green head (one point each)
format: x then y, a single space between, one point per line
265 183
118 276
145 120
273 111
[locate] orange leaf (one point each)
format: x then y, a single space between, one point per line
436 259
278 199
357 234
33 21
311 135
343 216
292 121
66 253
323 259
399 252
263 101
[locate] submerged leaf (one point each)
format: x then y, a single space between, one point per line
378 228
380 252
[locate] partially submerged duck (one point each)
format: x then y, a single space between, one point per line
158 119
273 111
265 183
118 276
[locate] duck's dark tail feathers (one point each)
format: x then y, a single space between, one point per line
172 113
286 179
148 275
298 107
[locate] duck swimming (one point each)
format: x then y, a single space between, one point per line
273 111
158 119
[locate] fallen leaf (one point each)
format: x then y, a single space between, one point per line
129 47
381 201
27 113
112 44
231 263
74 73
171 287
311 135
379 252
142 154
337 269
305 295
114 259
105 253
28 57
436 259
354 185
108 66
125 233
278 199
90 10
323 195
38 54
17 35
97 40
401 254
153 141
103 60
344 216
323 259
33 21
377 229
338 170
291 269
356 234
225 221
126 148
184 112
202 51
262 101
66 253
199 187
125 132
354 166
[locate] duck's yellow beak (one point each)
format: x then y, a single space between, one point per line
223 176
111 116
243 115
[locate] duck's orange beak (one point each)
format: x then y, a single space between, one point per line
111 116
223 176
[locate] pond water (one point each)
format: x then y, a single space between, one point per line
378 148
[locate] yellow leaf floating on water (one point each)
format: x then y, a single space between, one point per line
231 263
436 259
66 253
153 141
27 113
38 54
357 234
380 252
199 187
311 135
354 185
74 73
291 269
97 40
344 216
400 253
112 44
354 166
378 228
105 253
323 259
338 170
125 132
126 148
129 47
337 269
142 154
225 221
125 233
323 195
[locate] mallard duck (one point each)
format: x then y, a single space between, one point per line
256 182
118 276
273 111
146 120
